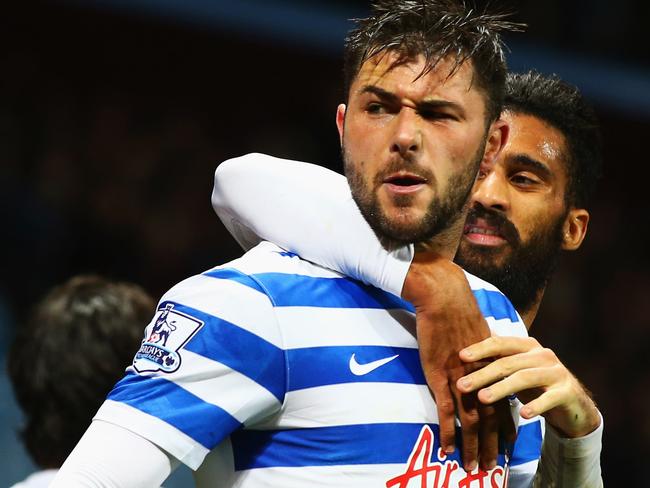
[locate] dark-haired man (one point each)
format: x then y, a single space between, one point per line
524 210
63 363
267 379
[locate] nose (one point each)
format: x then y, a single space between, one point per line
491 191
407 136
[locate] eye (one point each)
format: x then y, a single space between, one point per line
524 180
376 108
436 115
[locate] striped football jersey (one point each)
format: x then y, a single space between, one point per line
272 371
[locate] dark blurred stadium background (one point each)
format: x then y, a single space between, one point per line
114 114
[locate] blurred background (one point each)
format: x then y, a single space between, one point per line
114 115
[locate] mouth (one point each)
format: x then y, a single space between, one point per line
481 233
404 182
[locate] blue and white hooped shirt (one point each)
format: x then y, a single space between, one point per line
272 371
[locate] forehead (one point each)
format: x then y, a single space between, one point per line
536 139
404 78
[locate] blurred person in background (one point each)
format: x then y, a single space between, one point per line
75 346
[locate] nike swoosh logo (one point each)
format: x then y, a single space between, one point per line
363 369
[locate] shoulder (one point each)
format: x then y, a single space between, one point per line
497 309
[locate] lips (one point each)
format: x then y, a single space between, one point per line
489 227
404 182
482 232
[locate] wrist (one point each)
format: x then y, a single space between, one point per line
428 272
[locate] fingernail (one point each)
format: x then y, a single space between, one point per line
465 383
471 466
525 412
487 393
467 353
449 448
491 464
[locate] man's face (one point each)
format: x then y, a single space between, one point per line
412 146
515 227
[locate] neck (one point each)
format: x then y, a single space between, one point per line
529 313
444 243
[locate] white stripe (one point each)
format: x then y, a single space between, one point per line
217 384
164 435
309 327
359 476
230 301
506 327
355 403
522 474
476 283
265 258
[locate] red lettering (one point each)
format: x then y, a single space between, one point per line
467 481
422 453
424 442
494 483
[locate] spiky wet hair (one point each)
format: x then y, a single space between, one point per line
562 106
435 29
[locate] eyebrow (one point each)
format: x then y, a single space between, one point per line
424 105
532 163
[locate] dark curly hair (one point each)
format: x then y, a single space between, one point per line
435 29
62 364
562 106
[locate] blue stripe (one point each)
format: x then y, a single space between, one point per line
348 445
204 422
529 444
234 275
238 349
290 290
329 365
495 304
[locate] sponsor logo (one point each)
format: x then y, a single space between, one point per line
363 369
423 471
169 332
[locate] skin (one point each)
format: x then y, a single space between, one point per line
427 130
528 184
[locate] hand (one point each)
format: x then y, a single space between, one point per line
447 320
537 377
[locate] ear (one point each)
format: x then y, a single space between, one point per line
574 228
497 137
340 120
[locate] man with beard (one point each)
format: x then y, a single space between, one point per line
524 210
283 373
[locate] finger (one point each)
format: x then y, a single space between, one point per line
505 367
543 403
446 416
469 426
519 381
497 346
507 427
488 436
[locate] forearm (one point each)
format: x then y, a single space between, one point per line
308 210
570 463
109 456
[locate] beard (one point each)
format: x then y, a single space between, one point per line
522 273
442 212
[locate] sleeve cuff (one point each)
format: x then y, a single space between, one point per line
396 269
573 448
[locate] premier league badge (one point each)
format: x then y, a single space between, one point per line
170 331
